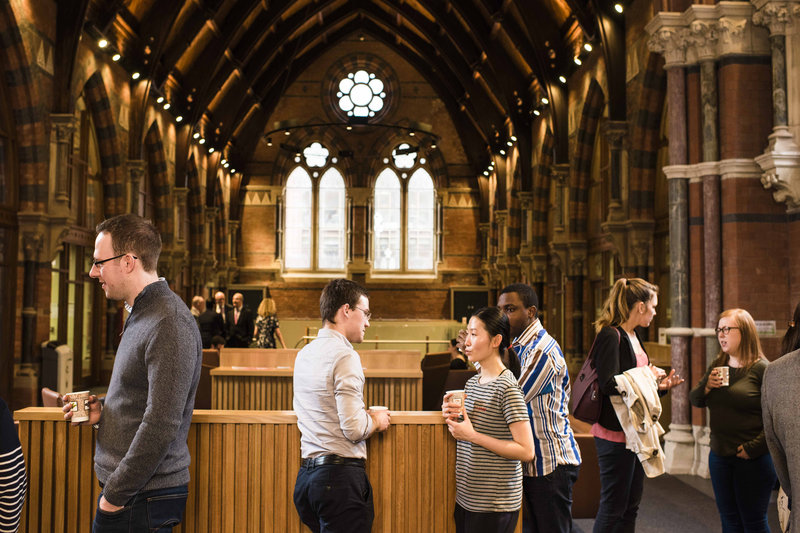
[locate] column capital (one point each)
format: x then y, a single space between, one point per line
64 126
776 15
560 172
707 33
135 168
616 132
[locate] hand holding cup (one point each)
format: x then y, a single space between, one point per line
380 416
453 404
81 408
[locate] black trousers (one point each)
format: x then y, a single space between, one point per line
334 499
472 522
549 500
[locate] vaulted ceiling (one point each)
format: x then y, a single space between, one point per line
224 64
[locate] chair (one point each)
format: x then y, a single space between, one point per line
435 359
51 398
456 379
433 378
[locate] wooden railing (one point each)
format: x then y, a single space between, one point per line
243 471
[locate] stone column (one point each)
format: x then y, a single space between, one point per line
560 174
181 214
780 162
233 234
64 127
136 170
616 132
679 442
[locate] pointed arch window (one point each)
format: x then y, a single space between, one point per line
315 214
405 216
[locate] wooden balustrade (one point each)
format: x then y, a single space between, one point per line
243 471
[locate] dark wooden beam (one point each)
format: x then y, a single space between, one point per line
69 27
611 27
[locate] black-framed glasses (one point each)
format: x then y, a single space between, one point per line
725 330
367 313
98 264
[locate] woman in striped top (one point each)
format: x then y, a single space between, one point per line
494 436
13 482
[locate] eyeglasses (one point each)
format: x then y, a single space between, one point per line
367 313
98 264
725 330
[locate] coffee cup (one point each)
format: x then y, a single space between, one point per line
456 396
80 405
376 408
725 373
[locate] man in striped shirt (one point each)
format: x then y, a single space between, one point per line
547 480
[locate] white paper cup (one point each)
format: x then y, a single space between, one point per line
378 408
457 396
725 373
80 405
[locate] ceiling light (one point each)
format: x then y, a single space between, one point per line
348 127
233 171
201 141
485 173
135 76
433 145
618 8
196 135
513 138
224 161
411 133
536 112
226 164
102 43
577 60
545 101
587 47
166 106
287 132
509 143
116 57
502 152
179 118
211 150
562 79
269 141
159 99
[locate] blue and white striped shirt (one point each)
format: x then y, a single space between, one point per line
544 381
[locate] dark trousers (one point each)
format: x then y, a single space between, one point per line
549 500
472 522
334 499
621 485
149 511
742 488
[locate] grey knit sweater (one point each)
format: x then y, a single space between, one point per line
141 444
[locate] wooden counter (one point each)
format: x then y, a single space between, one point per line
255 379
243 470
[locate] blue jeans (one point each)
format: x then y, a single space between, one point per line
742 488
148 511
621 485
334 499
549 500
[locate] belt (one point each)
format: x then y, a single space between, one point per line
327 460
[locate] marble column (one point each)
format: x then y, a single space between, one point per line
64 127
136 173
615 131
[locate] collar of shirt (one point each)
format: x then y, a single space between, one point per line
530 333
332 333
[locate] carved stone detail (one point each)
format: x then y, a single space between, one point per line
780 165
777 16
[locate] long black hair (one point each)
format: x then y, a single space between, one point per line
791 341
496 323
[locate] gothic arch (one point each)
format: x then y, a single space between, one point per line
582 166
157 171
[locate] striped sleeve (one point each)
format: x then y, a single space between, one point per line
538 372
514 409
13 479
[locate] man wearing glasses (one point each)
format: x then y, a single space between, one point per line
333 423
141 457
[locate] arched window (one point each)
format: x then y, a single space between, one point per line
386 221
404 215
315 197
298 219
421 212
331 224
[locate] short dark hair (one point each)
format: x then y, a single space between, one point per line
131 234
337 293
216 339
526 294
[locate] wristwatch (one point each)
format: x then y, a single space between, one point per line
97 425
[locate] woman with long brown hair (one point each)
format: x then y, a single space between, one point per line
741 468
630 304
267 326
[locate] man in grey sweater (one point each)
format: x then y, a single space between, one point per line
141 458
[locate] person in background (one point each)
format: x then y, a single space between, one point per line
240 324
13 479
630 304
458 361
547 481
742 473
779 393
141 454
222 309
267 326
332 492
198 306
217 342
494 436
210 324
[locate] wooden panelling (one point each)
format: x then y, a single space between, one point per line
243 470
284 358
399 390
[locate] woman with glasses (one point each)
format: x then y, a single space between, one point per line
631 304
741 469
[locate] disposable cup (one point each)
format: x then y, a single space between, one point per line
80 405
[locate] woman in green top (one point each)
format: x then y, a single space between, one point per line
741 469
